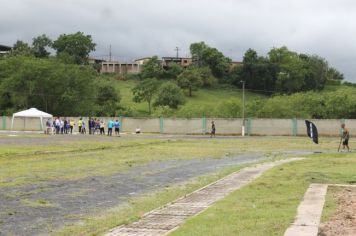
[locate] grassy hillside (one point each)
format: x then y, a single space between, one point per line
205 101
226 101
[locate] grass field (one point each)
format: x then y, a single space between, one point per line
265 207
268 206
47 162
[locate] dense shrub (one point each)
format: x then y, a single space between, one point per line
171 95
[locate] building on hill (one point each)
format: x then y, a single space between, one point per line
182 61
96 63
93 60
137 65
120 67
143 60
4 50
235 63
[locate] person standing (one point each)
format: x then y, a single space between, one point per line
93 124
72 124
65 126
213 130
57 125
97 126
84 131
117 128
61 125
80 123
345 137
68 126
102 127
48 126
110 125
89 125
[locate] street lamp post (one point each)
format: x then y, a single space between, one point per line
243 108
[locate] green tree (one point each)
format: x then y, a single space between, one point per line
152 69
108 100
46 84
316 72
40 45
204 55
235 75
190 79
334 74
171 95
145 91
197 52
173 71
257 72
74 47
291 70
21 48
207 76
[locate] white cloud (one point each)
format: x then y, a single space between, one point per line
138 28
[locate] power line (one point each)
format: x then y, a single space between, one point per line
177 49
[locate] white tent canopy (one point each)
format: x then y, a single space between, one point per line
31 113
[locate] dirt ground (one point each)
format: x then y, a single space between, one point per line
344 220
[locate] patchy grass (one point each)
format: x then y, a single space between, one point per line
37 203
80 192
83 159
330 203
268 205
137 207
18 194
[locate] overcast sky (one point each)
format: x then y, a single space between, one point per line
139 28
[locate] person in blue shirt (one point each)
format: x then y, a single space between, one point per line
110 125
117 128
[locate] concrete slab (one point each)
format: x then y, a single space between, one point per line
299 230
166 219
309 212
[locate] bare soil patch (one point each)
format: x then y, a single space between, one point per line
343 222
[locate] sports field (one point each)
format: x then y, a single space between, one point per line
86 185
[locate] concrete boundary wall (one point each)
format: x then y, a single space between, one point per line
224 126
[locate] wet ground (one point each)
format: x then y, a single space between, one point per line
39 208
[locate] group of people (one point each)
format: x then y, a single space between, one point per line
95 126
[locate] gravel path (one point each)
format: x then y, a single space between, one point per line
58 201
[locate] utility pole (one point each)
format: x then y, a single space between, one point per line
110 53
243 108
177 49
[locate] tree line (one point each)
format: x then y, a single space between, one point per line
280 72
63 82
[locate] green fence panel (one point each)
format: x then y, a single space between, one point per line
161 125
3 122
294 127
121 124
248 126
204 125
